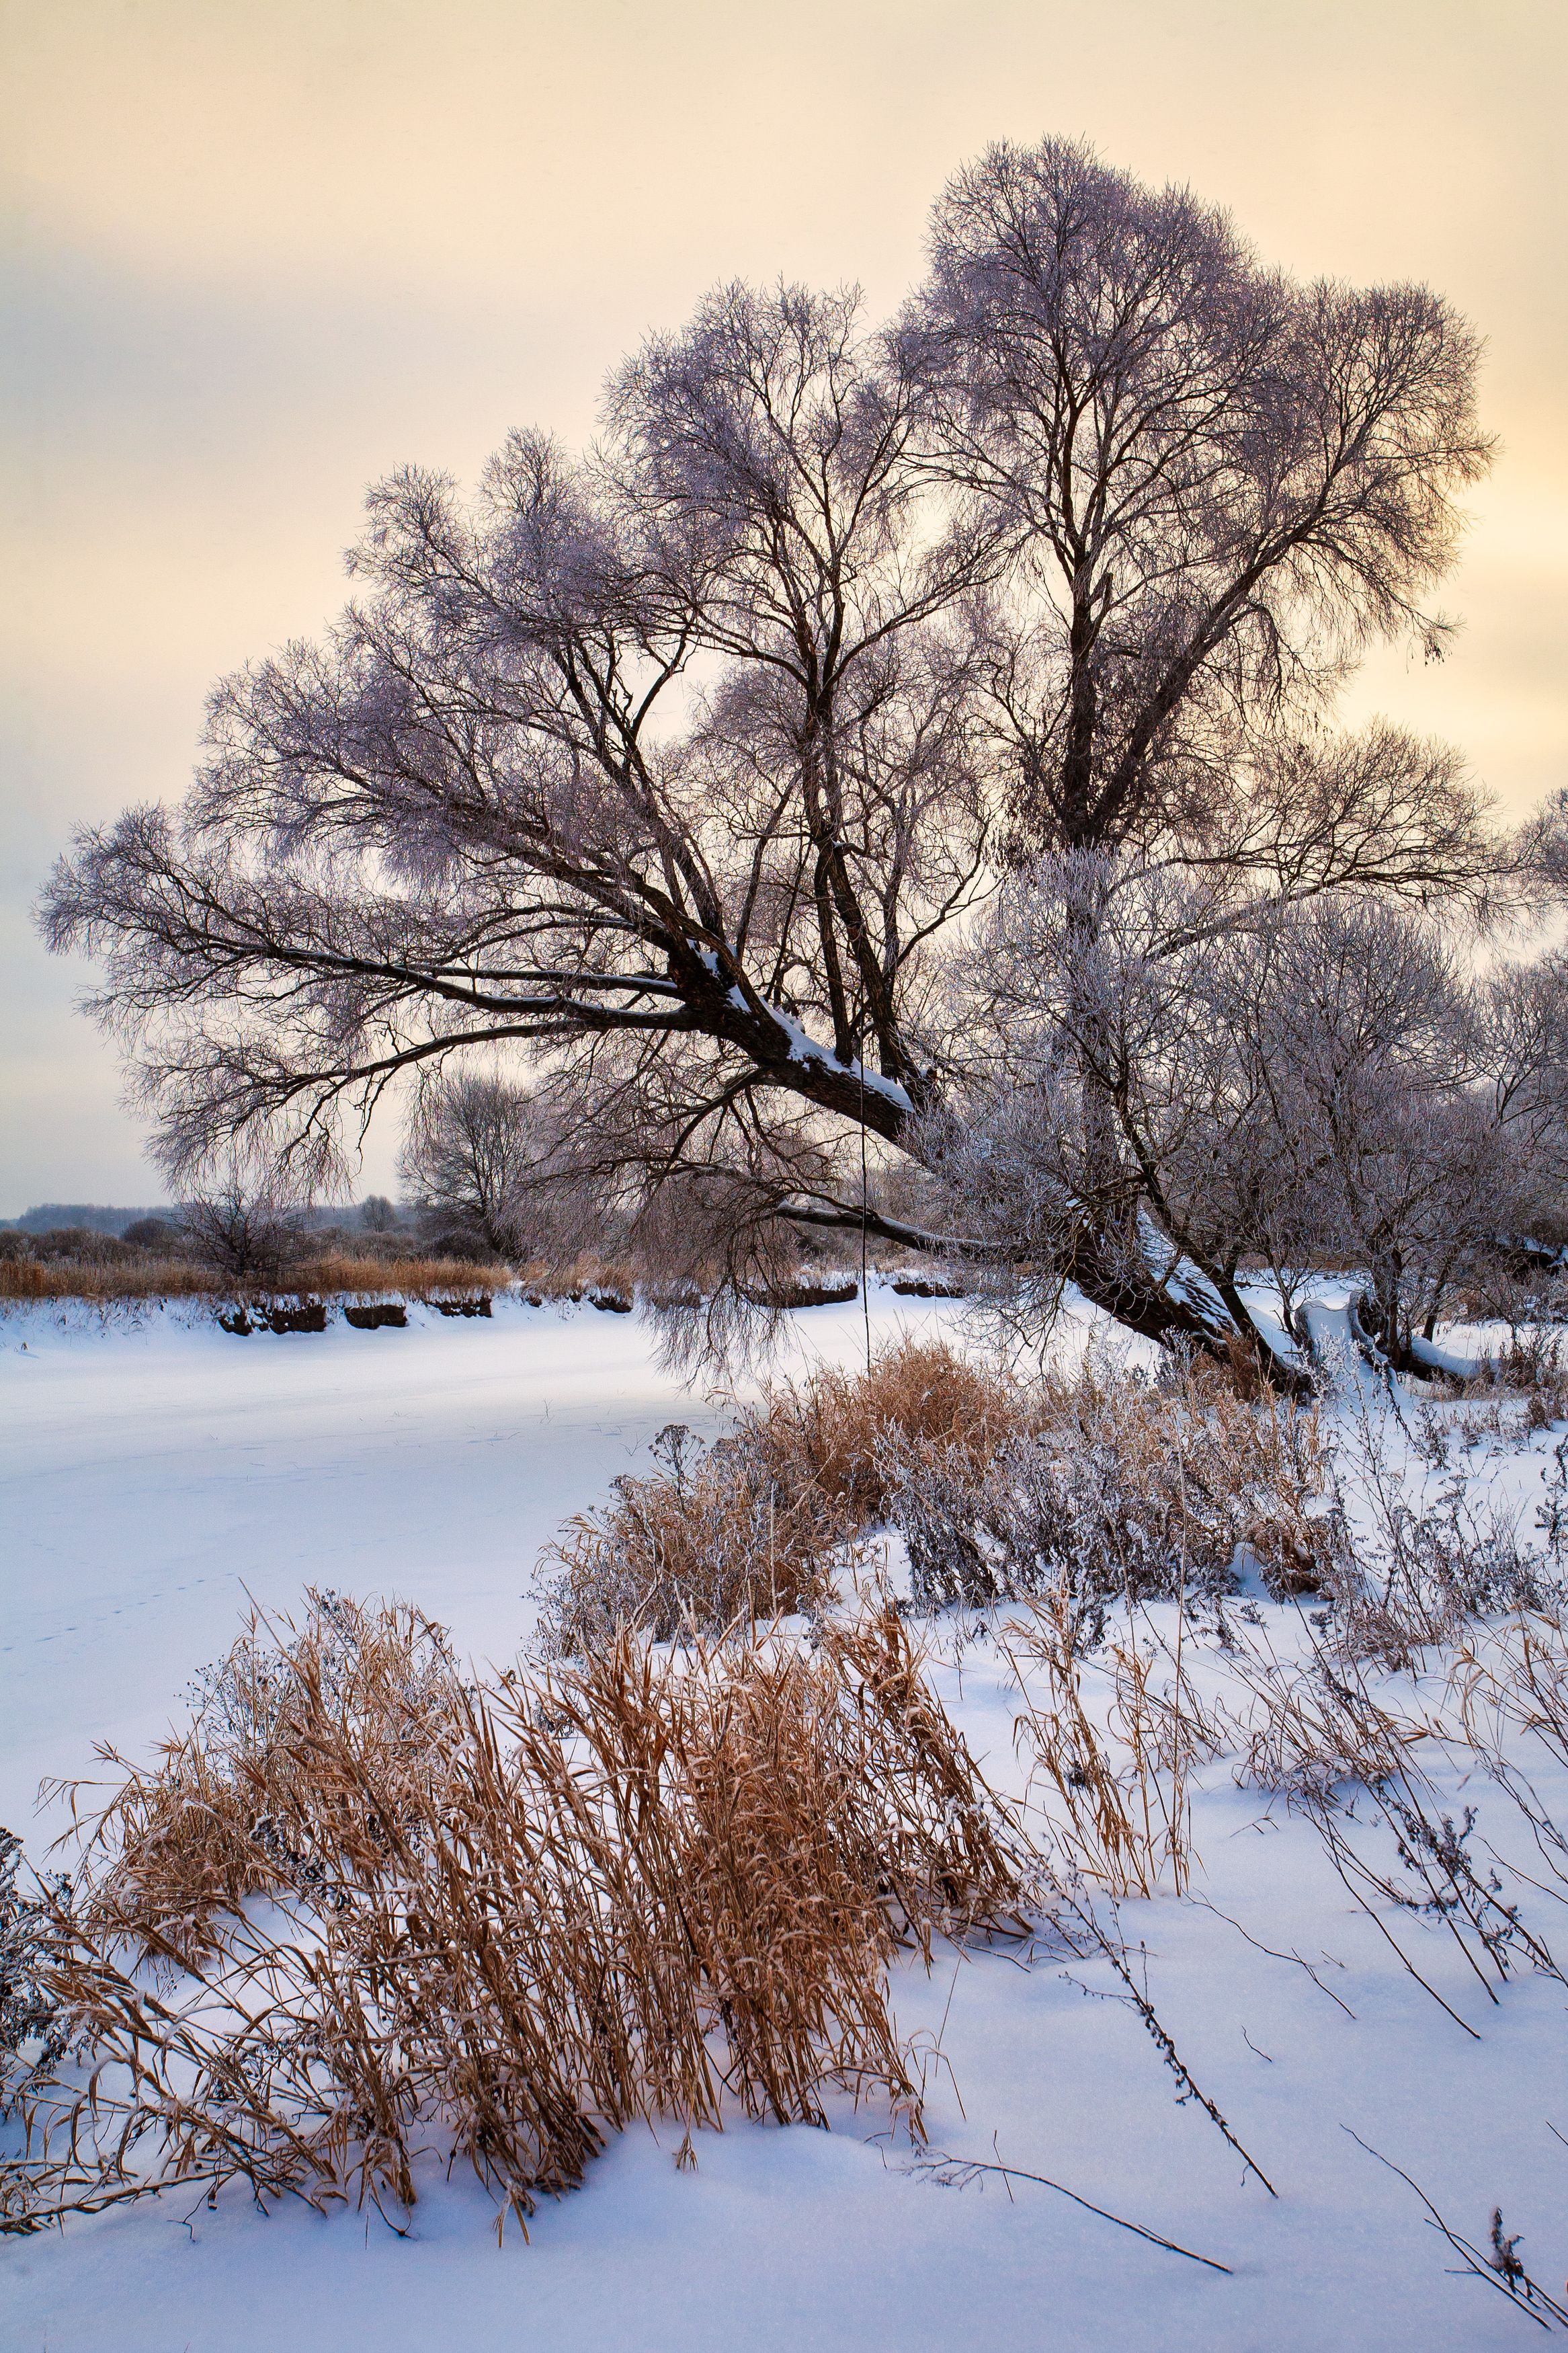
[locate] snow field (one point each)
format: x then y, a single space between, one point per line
154 1476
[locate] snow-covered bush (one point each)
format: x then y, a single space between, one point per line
1412 1567
1099 1483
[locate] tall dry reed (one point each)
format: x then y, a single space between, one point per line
844 1434
362 1912
329 1275
1117 1776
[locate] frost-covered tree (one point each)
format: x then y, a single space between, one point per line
1326 1081
681 771
1322 1083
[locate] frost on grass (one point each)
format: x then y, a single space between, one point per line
1102 1485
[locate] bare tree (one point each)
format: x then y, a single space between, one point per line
1328 1080
244 1223
684 770
1359 1031
1215 486
478 1150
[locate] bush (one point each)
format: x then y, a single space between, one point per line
847 1434
159 1234
1106 1485
1103 1484
1417 1566
83 1245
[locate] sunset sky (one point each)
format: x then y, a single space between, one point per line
258 252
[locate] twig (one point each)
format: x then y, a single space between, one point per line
1165 2046
1501 2270
1273 1956
958 2172
1345 1864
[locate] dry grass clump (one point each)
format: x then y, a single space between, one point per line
31 2034
504 1921
204 1826
845 1433
756 1526
1310 1731
946 1858
715 1539
1316 1730
1109 1486
1535 1363
1514 1681
144 1277
409 1278
1420 1566
576 1278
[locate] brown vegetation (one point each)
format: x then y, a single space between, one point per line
842 1432
507 1920
139 1277
719 1539
1535 1366
1099 1484
755 1526
1122 1818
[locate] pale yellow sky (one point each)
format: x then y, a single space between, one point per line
256 251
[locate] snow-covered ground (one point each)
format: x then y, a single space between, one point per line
154 1476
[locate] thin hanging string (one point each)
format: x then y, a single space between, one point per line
865 1289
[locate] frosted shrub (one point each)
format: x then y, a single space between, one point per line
1413 1568
1109 1486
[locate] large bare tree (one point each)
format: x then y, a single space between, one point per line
682 770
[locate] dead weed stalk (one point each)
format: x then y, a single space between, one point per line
1127 1823
1316 1737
